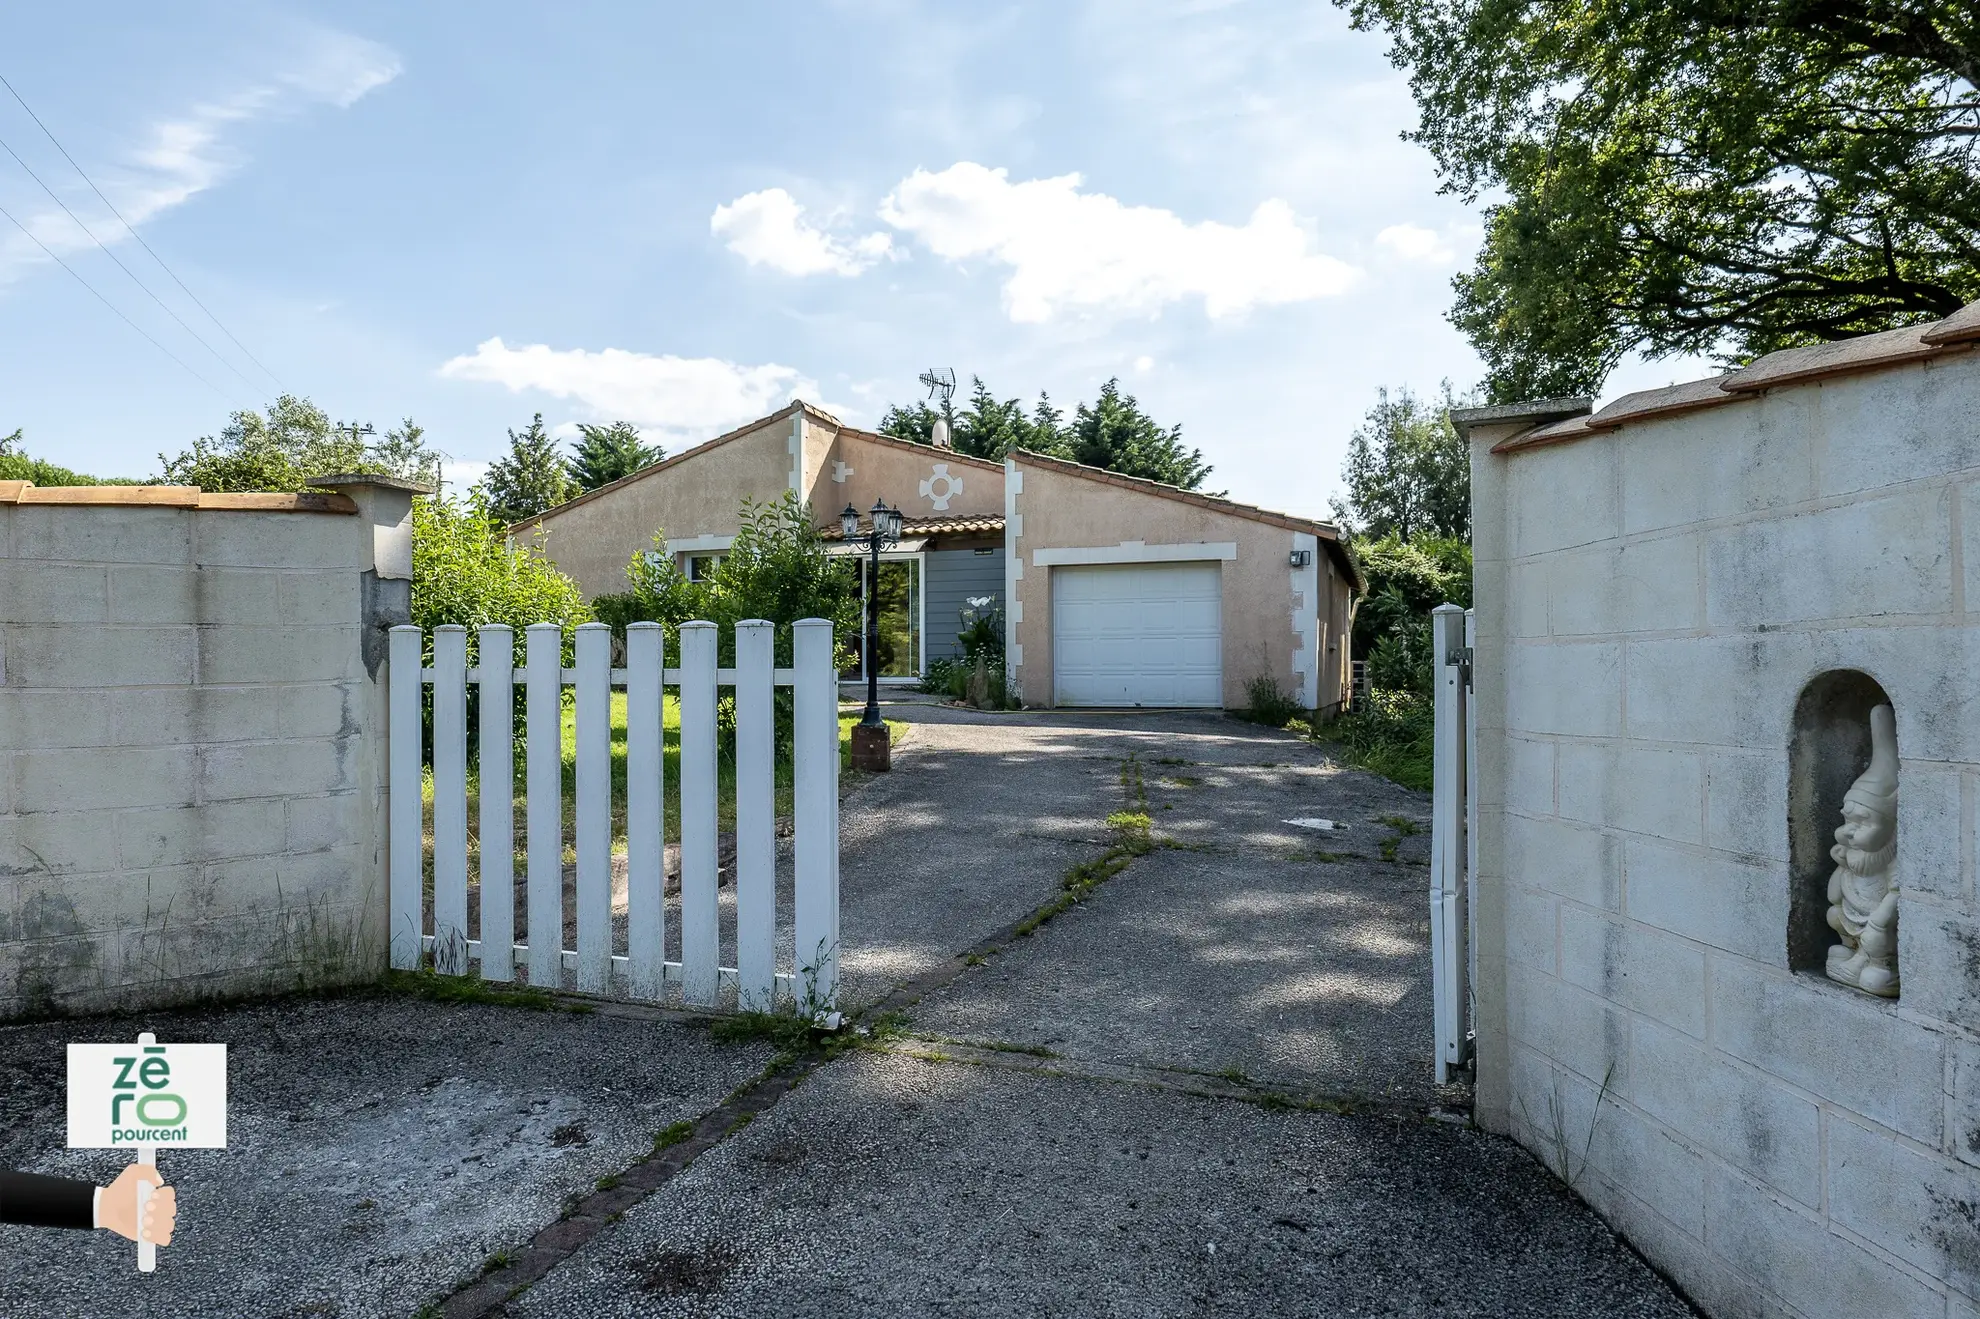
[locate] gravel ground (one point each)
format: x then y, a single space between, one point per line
380 1150
888 1186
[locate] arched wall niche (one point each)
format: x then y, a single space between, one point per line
1828 749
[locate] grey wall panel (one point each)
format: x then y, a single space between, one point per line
954 576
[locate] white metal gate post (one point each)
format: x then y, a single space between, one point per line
406 885
1470 821
1449 942
815 769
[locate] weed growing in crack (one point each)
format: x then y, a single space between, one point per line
672 1135
1133 836
785 1030
434 987
1559 1153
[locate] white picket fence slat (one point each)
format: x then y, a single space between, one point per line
405 811
496 648
643 971
816 736
646 802
543 786
450 918
756 818
699 925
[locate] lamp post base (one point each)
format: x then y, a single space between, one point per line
872 749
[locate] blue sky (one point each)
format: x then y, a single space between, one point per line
683 214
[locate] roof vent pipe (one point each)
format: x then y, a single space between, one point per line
939 436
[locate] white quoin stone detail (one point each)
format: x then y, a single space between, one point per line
840 471
951 487
1305 586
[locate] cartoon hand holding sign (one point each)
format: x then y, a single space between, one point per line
139 1097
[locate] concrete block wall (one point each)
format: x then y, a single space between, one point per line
1651 602
191 741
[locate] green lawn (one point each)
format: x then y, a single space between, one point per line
725 800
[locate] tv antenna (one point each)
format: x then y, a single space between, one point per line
941 381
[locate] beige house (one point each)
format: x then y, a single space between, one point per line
1116 591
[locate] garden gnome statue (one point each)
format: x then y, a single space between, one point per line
1863 891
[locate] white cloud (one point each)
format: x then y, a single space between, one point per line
182 156
1414 243
666 395
1086 251
460 474
768 228
1143 364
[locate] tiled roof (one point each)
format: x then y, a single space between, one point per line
961 526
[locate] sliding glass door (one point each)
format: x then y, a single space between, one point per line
900 649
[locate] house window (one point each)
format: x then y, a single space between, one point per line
698 566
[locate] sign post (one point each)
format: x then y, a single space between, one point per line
141 1096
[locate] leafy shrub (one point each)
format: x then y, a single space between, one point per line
976 677
979 682
1402 660
17 466
1266 702
1406 580
982 629
1392 733
465 571
776 569
292 443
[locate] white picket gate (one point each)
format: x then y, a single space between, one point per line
643 971
1453 838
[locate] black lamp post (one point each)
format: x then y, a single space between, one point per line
870 743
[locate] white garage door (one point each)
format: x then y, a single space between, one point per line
1138 634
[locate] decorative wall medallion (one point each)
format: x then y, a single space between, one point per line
951 487
840 471
1863 890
